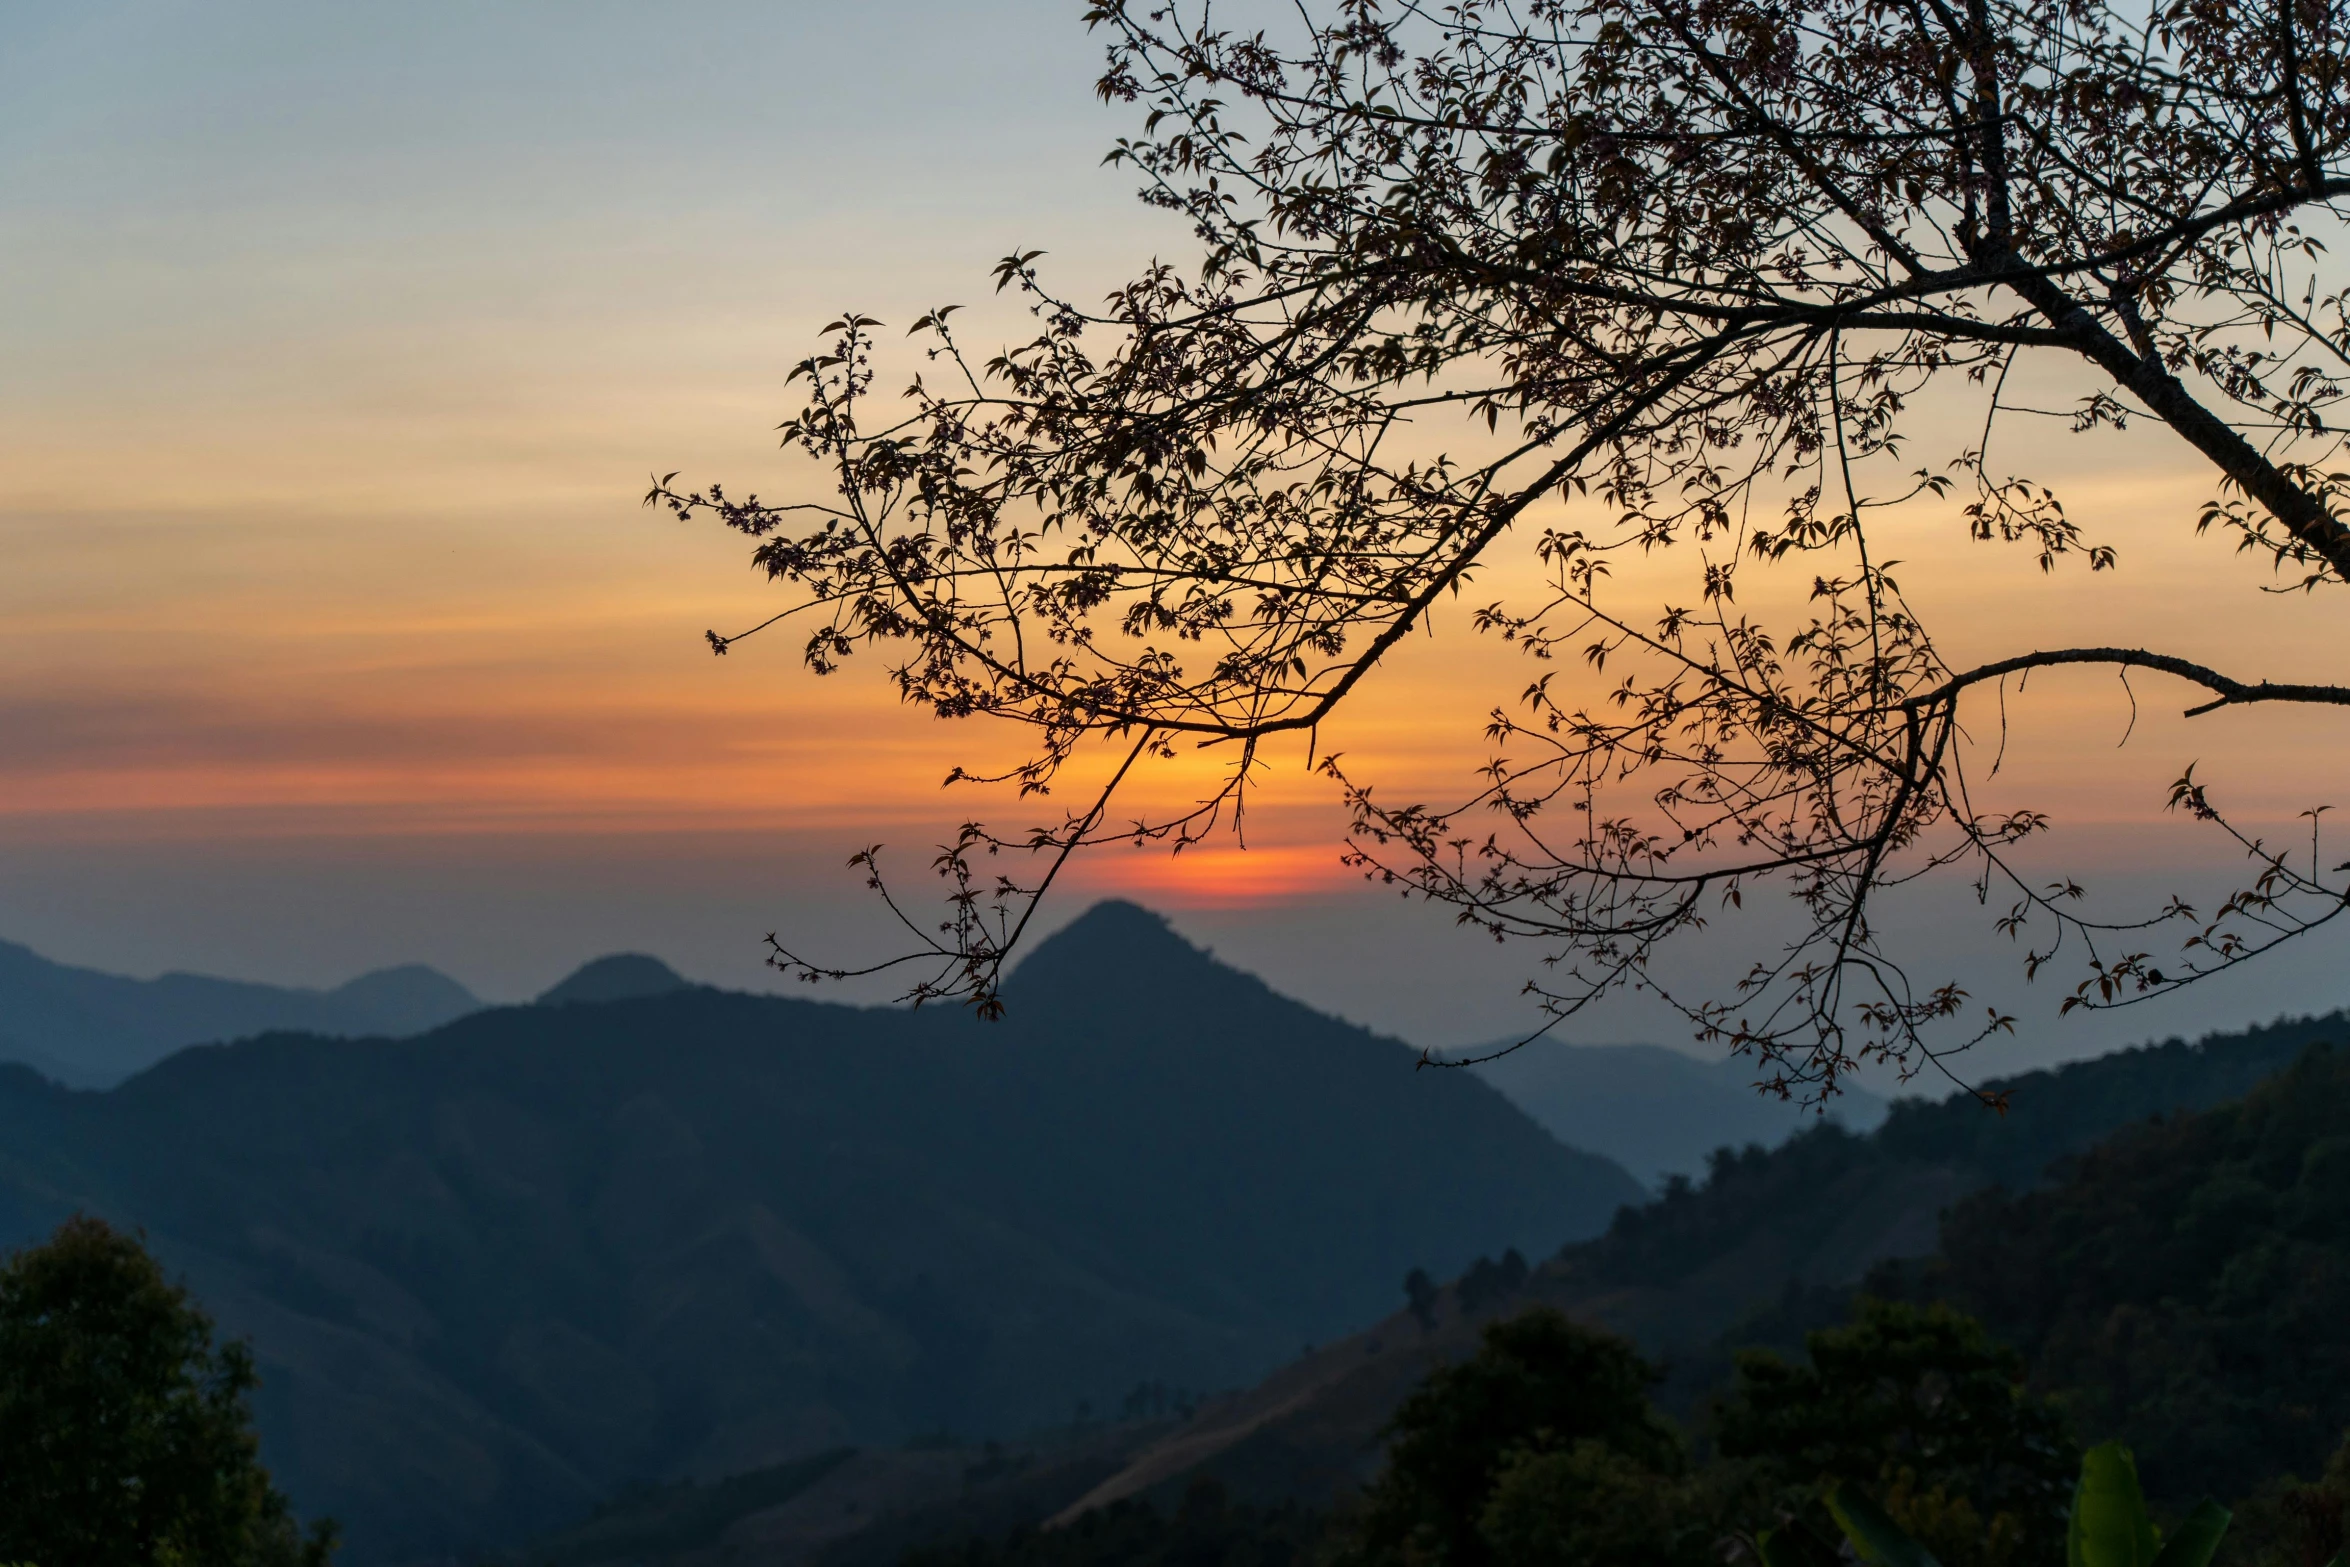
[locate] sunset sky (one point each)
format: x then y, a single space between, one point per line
339 342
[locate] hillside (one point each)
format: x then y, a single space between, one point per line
2185 1285
494 1271
2181 1286
89 1029
1766 1245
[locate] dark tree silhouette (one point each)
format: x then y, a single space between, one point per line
1581 279
1421 1293
1921 1407
1538 1384
125 1435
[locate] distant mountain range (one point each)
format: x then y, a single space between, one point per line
1658 1112
647 1229
88 1029
1655 1111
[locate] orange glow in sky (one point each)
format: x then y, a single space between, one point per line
339 355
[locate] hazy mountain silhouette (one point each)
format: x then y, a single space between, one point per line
1657 1112
624 976
90 1029
494 1270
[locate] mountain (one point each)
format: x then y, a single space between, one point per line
1771 1242
624 976
89 1029
1657 1112
496 1270
2180 1286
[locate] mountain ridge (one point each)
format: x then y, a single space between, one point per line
91 1029
1656 1111
494 1270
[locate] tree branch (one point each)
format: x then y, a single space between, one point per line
2231 692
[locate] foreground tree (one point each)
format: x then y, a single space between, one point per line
1920 1407
125 1436
1567 281
1542 1446
1543 1450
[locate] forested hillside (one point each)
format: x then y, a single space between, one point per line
497 1270
1768 1244
2180 1283
2187 1284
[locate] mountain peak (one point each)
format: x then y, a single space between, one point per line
408 999
623 976
1114 940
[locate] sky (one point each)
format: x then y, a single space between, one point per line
339 342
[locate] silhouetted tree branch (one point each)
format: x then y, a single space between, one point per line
1578 278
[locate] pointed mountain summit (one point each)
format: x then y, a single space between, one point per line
624 976
1110 945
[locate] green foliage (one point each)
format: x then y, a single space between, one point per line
125 1435
1920 1405
1558 1411
2071 1108
1873 1533
1207 1530
2108 1525
1905 1439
